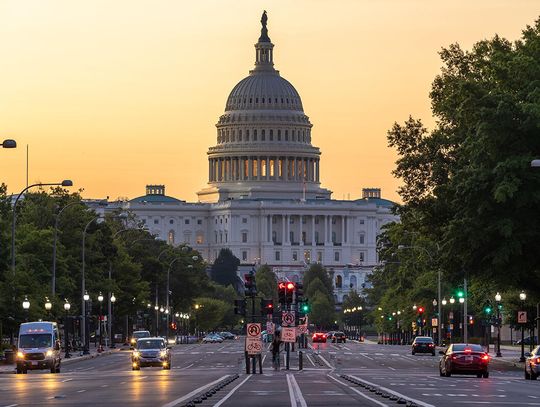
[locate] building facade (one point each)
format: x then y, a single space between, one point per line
264 200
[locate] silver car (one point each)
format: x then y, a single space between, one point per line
151 352
532 364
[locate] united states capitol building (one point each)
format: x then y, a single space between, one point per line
264 200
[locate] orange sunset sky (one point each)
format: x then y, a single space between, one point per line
115 94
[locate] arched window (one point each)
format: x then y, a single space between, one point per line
352 281
339 281
170 237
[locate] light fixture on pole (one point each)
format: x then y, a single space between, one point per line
67 307
26 307
100 299
522 297
9 143
498 299
48 304
111 335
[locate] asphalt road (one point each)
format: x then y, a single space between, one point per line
334 374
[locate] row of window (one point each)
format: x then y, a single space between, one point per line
171 221
299 136
263 100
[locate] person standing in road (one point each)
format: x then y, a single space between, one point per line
276 343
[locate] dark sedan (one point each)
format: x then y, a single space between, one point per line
461 358
532 364
338 337
319 337
423 344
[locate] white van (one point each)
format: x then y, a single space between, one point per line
39 347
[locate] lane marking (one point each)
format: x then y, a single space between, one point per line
359 392
67 380
12 405
187 367
395 393
193 393
294 392
391 368
311 360
233 390
81 391
326 362
366 356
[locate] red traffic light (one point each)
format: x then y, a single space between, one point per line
281 286
290 286
421 310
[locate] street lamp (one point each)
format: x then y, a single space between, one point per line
498 301
522 297
26 307
414 307
100 299
64 183
9 143
48 305
67 306
111 335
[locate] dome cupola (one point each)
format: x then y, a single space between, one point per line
263 145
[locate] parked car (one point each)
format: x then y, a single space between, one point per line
423 344
527 340
338 337
212 338
151 352
227 335
319 337
532 364
462 358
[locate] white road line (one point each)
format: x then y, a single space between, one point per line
12 405
395 393
229 394
264 357
294 392
187 367
81 391
67 380
359 392
345 347
193 393
366 356
391 368
311 360
325 361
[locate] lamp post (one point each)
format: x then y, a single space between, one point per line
451 320
100 300
498 301
9 143
48 306
55 239
522 297
444 302
430 255
64 183
67 306
168 294
462 324
112 300
26 307
156 308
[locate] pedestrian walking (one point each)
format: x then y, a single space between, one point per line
276 343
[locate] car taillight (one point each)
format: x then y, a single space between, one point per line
431 345
485 357
454 357
537 361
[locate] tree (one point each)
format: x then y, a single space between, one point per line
266 283
225 267
210 314
322 311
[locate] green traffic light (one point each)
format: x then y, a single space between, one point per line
460 294
487 310
305 308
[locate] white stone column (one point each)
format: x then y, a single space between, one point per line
301 229
286 168
283 221
342 229
325 237
267 167
250 168
313 243
318 171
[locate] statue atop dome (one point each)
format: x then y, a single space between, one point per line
264 31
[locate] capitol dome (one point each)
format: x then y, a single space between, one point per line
263 148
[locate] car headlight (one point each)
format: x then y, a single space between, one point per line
49 353
136 354
132 340
20 355
163 353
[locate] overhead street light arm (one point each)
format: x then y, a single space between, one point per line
9 143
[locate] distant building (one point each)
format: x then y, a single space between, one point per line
264 200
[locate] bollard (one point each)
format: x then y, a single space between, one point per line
247 362
260 363
288 354
300 360
254 364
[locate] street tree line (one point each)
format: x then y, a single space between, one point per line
470 197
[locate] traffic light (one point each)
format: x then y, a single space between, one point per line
173 325
304 307
460 293
289 292
299 292
421 321
249 284
267 306
471 320
487 309
240 307
420 310
282 292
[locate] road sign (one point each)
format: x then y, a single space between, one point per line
270 328
288 334
302 329
253 330
434 322
522 317
253 339
287 318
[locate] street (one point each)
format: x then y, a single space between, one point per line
334 374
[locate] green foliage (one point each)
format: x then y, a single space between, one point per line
225 267
211 313
319 291
266 283
470 197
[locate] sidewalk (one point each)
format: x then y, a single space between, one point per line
75 357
